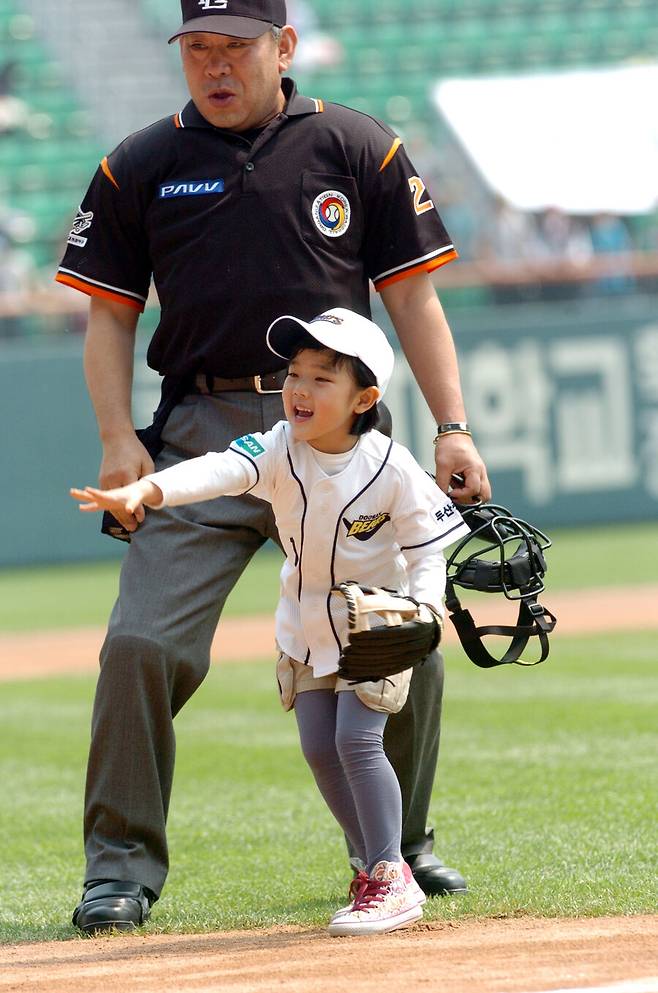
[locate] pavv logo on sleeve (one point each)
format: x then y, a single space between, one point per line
250 445
190 188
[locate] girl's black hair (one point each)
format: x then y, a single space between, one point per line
362 375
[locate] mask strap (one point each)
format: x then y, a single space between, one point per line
533 620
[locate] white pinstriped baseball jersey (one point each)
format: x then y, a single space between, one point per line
382 521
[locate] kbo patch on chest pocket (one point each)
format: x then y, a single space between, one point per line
331 213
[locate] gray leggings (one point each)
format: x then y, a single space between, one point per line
342 741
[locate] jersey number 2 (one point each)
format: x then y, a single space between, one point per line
417 187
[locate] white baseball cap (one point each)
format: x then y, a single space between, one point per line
341 330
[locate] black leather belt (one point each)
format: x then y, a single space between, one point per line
269 382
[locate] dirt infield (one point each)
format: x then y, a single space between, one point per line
44 653
511 955
491 956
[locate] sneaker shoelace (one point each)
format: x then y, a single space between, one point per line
361 879
367 891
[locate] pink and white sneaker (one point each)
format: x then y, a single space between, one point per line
421 897
387 900
362 877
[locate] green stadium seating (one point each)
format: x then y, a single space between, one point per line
394 51
404 39
45 162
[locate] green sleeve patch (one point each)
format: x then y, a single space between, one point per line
250 445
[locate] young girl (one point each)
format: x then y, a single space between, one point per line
350 504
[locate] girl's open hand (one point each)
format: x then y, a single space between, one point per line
130 500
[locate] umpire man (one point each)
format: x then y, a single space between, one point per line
251 202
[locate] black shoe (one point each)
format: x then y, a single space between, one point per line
435 878
111 904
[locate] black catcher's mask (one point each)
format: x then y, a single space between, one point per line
502 554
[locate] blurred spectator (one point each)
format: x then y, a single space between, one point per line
610 235
509 248
644 231
13 110
565 249
17 282
563 237
316 49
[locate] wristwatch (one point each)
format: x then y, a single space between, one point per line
452 427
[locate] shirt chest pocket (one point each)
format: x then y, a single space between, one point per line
332 215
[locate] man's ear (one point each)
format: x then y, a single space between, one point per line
287 45
367 399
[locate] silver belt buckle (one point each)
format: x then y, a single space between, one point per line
258 387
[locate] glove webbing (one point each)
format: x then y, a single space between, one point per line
386 643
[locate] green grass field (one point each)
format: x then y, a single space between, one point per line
545 797
81 595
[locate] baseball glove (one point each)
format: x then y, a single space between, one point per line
410 631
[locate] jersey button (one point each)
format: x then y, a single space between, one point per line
249 167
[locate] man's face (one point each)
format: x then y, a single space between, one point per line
236 82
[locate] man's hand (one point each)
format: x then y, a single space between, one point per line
426 338
456 455
124 461
126 502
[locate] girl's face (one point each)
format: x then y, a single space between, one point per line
321 401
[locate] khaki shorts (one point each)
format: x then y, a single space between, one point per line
385 695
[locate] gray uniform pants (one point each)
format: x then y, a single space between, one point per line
179 569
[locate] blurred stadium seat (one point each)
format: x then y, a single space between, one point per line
437 38
49 148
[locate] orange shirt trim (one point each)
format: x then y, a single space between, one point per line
390 154
423 267
97 291
108 172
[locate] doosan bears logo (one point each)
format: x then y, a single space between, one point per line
366 525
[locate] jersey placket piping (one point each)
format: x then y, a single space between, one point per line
299 554
301 539
335 543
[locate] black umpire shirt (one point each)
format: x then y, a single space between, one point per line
237 232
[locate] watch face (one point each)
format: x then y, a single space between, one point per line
452 426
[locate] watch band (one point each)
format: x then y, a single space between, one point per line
452 427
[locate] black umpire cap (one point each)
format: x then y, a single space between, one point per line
238 18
